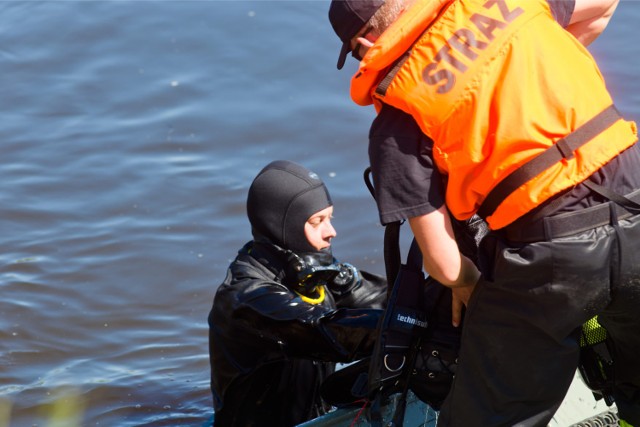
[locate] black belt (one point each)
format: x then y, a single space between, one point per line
569 223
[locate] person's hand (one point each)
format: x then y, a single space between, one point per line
462 293
309 271
346 279
460 299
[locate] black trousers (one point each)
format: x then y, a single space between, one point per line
520 345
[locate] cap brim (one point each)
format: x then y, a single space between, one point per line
346 48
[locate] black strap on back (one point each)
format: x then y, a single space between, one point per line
382 87
391 241
394 340
618 199
367 181
414 261
563 149
393 264
392 253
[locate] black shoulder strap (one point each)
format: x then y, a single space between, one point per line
618 199
382 87
391 241
399 340
564 148
392 259
388 334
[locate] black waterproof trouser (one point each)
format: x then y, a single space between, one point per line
520 343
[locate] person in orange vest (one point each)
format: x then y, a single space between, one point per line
496 108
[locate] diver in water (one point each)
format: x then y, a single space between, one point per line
287 310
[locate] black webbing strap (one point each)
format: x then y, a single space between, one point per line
564 148
391 241
618 199
392 253
381 89
367 182
392 261
401 300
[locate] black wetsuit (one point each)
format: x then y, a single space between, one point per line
270 349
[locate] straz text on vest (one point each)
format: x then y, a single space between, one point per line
465 41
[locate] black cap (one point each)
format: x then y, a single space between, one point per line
281 199
347 17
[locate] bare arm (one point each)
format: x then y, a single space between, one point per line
590 18
442 259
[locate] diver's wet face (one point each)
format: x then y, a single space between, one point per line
318 229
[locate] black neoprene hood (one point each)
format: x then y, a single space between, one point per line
281 199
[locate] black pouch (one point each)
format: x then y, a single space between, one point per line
436 362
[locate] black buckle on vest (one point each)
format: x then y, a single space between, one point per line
564 149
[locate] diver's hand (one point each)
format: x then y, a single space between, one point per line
346 279
309 271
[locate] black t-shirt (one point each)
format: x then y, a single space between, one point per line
408 184
562 10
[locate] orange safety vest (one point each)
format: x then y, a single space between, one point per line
496 83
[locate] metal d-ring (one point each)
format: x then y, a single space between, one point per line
386 365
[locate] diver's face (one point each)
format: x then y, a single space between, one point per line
318 229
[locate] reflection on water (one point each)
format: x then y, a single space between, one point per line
130 134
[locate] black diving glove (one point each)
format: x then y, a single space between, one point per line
347 279
308 271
